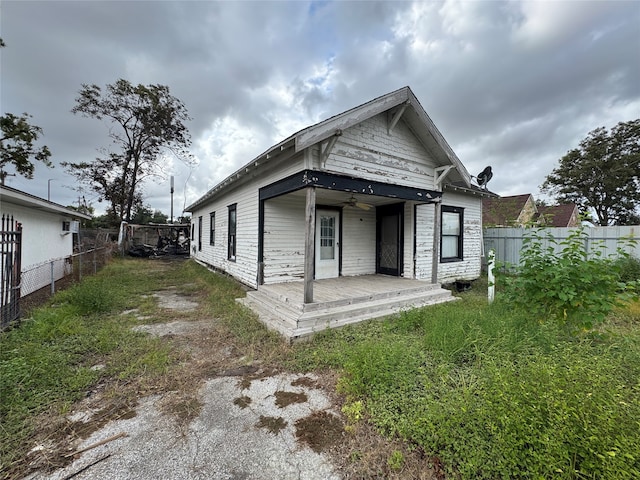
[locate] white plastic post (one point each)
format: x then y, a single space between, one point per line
53 281
491 261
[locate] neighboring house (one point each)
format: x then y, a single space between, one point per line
355 217
521 211
566 216
511 211
47 231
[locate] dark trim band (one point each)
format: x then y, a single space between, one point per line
344 183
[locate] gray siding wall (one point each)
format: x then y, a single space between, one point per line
367 151
358 241
284 232
245 267
469 268
424 241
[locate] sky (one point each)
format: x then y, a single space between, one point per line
510 84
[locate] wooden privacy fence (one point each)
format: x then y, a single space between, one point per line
507 242
10 255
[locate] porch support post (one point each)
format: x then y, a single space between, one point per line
436 243
309 245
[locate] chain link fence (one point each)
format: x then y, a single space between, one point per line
40 282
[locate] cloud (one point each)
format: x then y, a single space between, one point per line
511 84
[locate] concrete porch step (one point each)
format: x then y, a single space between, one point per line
423 290
275 315
333 315
291 321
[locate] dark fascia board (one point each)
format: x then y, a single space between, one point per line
344 183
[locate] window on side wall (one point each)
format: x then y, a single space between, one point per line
212 228
451 234
232 232
200 233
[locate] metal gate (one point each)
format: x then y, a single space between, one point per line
10 255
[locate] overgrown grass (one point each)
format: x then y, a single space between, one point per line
83 339
483 389
46 362
492 394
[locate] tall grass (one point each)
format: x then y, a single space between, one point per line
492 394
46 362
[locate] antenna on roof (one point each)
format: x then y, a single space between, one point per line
483 177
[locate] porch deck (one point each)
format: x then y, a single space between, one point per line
338 302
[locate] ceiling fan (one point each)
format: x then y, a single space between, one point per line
353 202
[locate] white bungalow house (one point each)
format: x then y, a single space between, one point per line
355 217
47 231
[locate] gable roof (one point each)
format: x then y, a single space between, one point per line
401 102
558 215
504 210
18 197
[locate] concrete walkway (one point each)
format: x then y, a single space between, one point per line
240 434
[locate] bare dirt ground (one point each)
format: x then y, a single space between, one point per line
218 417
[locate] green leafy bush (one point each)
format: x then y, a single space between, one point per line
629 268
93 295
521 403
562 281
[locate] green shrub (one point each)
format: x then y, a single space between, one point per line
629 269
93 295
572 286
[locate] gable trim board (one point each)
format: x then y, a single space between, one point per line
385 155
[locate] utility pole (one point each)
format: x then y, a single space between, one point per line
172 199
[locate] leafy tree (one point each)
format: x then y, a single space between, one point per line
602 174
146 123
17 145
144 215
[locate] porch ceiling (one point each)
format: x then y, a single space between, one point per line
337 198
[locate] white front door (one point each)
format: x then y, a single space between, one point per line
327 243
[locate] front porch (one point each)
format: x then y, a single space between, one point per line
338 301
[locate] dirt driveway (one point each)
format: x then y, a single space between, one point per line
245 422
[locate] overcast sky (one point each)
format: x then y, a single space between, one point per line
514 85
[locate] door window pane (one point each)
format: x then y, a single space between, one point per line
327 237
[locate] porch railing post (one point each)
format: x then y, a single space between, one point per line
309 246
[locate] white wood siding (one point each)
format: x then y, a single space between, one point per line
358 241
367 151
424 241
408 241
245 196
469 268
284 243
